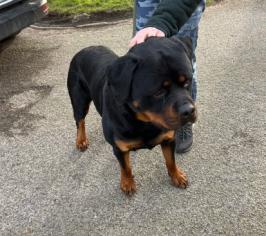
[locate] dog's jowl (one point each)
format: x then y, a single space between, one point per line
143 99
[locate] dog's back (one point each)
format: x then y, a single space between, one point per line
86 78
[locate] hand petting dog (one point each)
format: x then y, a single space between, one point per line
145 33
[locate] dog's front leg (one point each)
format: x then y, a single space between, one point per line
178 177
127 183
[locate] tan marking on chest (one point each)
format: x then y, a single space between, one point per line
126 146
168 136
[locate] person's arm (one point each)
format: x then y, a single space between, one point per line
167 19
171 15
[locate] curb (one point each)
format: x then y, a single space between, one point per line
89 25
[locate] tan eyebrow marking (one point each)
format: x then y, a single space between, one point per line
181 78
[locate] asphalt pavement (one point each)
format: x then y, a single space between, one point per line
49 188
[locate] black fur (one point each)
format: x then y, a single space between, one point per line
113 83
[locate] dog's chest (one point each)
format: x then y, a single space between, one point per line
143 143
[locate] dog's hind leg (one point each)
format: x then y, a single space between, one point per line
80 113
82 141
80 100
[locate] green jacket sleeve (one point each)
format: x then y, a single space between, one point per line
170 15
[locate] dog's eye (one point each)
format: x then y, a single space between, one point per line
185 85
160 93
183 81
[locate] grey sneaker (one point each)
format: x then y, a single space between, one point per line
184 139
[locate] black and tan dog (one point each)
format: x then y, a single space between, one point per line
142 97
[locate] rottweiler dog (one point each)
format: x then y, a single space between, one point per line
142 97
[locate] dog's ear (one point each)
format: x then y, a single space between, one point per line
186 43
177 55
120 75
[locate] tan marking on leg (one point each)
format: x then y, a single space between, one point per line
127 183
81 141
178 177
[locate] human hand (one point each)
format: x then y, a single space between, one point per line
145 33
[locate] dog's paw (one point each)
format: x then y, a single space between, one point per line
82 144
128 186
179 179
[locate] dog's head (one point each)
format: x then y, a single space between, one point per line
153 80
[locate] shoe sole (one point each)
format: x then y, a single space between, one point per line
184 150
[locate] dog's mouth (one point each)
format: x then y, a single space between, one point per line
172 123
174 119
167 120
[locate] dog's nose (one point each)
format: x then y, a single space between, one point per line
187 110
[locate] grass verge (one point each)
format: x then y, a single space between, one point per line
69 7
209 2
72 7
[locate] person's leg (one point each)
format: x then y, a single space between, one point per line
190 29
143 11
184 136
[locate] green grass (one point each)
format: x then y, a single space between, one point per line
209 2
91 6
88 6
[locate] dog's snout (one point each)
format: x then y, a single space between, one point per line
187 110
